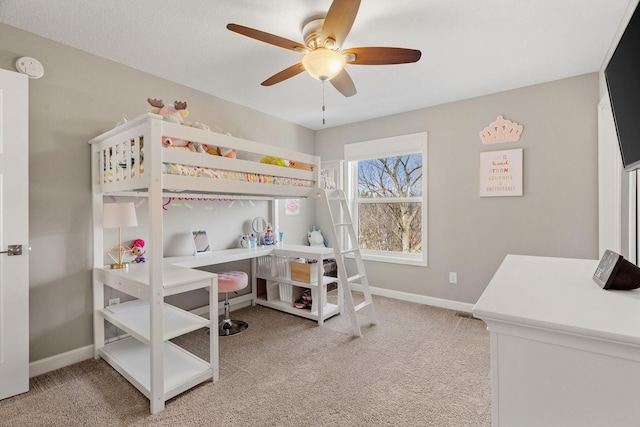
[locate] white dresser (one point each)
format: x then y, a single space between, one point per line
564 352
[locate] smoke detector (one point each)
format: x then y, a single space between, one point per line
30 66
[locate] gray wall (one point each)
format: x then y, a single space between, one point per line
79 97
557 216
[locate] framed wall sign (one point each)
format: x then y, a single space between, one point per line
291 207
501 173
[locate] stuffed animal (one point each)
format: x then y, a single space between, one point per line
197 147
226 152
171 113
136 249
174 142
288 163
176 113
300 165
202 126
315 238
277 161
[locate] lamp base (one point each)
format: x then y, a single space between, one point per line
117 255
119 266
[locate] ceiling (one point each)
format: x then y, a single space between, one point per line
469 47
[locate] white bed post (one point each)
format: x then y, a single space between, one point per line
98 248
155 249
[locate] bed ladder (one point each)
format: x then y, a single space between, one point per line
341 220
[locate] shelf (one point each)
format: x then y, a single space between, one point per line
325 280
182 370
134 280
275 288
133 317
329 310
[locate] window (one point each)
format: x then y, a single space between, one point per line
386 187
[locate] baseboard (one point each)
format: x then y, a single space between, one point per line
420 299
61 360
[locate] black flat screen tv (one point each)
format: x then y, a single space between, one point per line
623 81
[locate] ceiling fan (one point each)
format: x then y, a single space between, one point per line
324 57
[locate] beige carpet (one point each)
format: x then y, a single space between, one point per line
420 366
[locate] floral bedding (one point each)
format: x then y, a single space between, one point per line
196 171
116 168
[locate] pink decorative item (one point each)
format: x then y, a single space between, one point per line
501 130
136 249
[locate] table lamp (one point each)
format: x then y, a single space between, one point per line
118 215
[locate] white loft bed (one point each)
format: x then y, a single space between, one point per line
132 158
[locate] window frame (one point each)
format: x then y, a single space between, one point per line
415 143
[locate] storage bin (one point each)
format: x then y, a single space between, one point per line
272 265
303 272
285 292
263 265
273 290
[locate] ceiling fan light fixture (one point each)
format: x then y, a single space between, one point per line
324 64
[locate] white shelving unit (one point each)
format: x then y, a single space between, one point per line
280 291
135 357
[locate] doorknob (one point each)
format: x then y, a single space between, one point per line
13 250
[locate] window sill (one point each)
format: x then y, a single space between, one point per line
417 260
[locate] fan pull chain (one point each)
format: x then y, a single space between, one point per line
323 107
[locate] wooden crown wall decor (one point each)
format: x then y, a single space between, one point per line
501 130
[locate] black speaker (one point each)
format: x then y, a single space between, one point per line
615 272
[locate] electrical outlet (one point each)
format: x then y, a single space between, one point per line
114 301
453 277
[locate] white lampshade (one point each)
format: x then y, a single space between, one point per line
119 215
324 64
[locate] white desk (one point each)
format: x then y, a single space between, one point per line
320 310
564 352
219 257
237 254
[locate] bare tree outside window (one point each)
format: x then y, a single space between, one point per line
389 203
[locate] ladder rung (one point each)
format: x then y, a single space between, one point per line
349 251
342 224
356 277
362 305
333 194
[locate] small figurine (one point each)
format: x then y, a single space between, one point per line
268 236
315 237
136 249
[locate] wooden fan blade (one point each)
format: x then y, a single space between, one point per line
343 83
294 70
383 55
267 37
339 20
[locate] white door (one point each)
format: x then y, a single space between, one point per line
14 231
